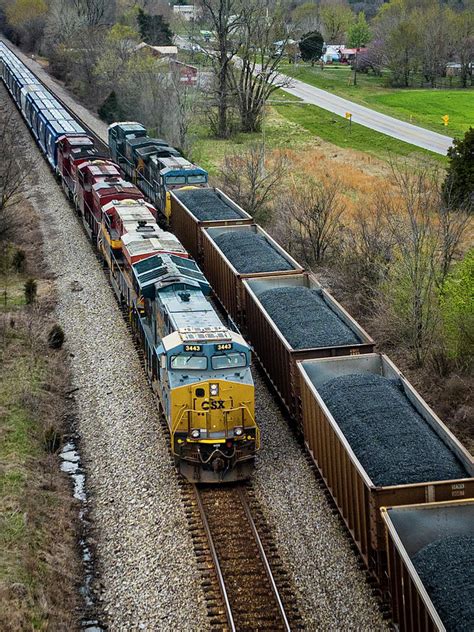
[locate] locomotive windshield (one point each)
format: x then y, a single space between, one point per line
175 179
229 361
189 362
197 179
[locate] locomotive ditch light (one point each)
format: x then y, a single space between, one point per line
195 434
214 389
238 431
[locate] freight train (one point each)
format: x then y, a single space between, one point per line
199 368
401 481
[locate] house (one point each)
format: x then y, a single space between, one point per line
348 54
170 52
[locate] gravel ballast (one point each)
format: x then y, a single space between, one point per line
393 443
446 568
304 318
331 590
249 252
207 205
148 574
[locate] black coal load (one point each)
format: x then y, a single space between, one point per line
206 205
250 253
304 318
393 443
446 568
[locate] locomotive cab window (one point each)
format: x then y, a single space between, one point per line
189 362
197 179
229 361
175 180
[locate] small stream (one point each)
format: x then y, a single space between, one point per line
71 464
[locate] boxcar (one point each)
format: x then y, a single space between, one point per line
225 279
187 220
431 605
275 352
357 497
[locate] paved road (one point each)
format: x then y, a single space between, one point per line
370 118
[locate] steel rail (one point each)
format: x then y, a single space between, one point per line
215 559
264 559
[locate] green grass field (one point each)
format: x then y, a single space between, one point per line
296 126
422 107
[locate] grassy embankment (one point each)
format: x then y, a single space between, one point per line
38 558
423 107
302 127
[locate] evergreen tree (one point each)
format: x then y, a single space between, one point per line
459 183
110 110
154 29
311 46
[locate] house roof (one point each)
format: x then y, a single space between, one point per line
163 50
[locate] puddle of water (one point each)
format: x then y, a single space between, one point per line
71 464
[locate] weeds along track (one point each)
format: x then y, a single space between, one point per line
245 584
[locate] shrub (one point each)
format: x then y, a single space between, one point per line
19 260
31 291
56 337
457 298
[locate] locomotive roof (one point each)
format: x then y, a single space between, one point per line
118 184
162 270
129 206
100 167
128 126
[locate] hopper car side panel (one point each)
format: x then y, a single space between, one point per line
359 501
276 355
412 607
225 280
188 228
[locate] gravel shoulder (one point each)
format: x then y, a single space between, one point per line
148 574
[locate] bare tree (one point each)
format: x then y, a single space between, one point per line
408 302
255 75
225 20
95 12
12 176
315 212
182 106
453 221
251 180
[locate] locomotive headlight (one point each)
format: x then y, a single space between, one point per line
214 389
196 433
238 431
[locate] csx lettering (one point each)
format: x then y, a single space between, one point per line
214 405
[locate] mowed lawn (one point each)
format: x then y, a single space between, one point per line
423 107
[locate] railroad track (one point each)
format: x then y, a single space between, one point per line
244 581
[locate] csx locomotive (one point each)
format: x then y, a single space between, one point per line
199 368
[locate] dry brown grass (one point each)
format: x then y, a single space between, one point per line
39 560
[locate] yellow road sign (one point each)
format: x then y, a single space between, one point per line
445 119
348 115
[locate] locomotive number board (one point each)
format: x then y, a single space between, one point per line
223 346
193 348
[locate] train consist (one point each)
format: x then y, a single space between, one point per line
390 464
198 367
